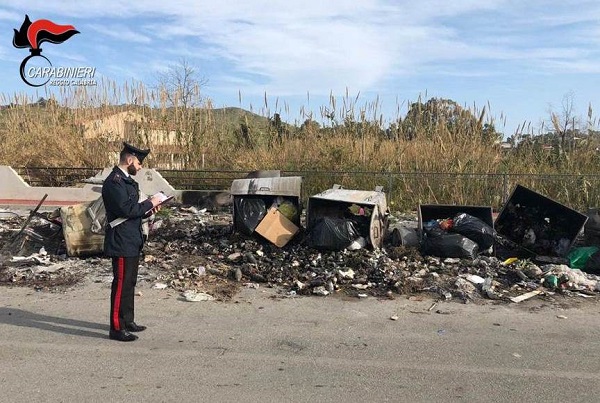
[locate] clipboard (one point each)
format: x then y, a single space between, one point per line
163 199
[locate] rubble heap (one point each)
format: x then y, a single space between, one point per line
193 251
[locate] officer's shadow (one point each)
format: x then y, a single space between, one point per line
19 317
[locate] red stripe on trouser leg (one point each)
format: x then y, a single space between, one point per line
118 294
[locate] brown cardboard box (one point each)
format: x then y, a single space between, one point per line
276 228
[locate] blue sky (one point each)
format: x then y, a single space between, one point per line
521 57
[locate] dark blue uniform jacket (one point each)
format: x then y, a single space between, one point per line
121 199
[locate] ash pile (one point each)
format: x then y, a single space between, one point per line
346 243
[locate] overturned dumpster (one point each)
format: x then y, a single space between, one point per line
343 218
83 228
455 231
538 226
270 207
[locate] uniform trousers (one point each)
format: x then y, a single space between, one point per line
125 271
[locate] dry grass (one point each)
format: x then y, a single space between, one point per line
352 138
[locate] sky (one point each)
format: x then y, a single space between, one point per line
520 59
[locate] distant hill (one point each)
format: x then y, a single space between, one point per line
225 119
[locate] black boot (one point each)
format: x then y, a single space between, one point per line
121 335
133 327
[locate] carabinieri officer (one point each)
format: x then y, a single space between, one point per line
123 242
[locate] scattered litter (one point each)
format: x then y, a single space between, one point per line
237 274
48 269
346 275
394 317
194 296
561 316
487 288
234 257
517 355
30 260
475 279
526 296
320 291
196 250
357 244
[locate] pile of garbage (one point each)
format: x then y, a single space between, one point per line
463 236
198 254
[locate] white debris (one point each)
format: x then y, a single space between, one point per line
346 275
48 269
451 260
194 296
159 286
359 243
475 279
30 260
234 256
320 291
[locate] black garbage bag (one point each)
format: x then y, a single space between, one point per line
474 229
249 213
332 234
592 266
450 245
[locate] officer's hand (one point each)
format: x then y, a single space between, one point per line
155 201
155 210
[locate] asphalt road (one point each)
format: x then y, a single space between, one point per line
54 348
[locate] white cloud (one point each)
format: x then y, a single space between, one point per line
10 16
120 32
290 47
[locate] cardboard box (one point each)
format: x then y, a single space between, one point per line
276 228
